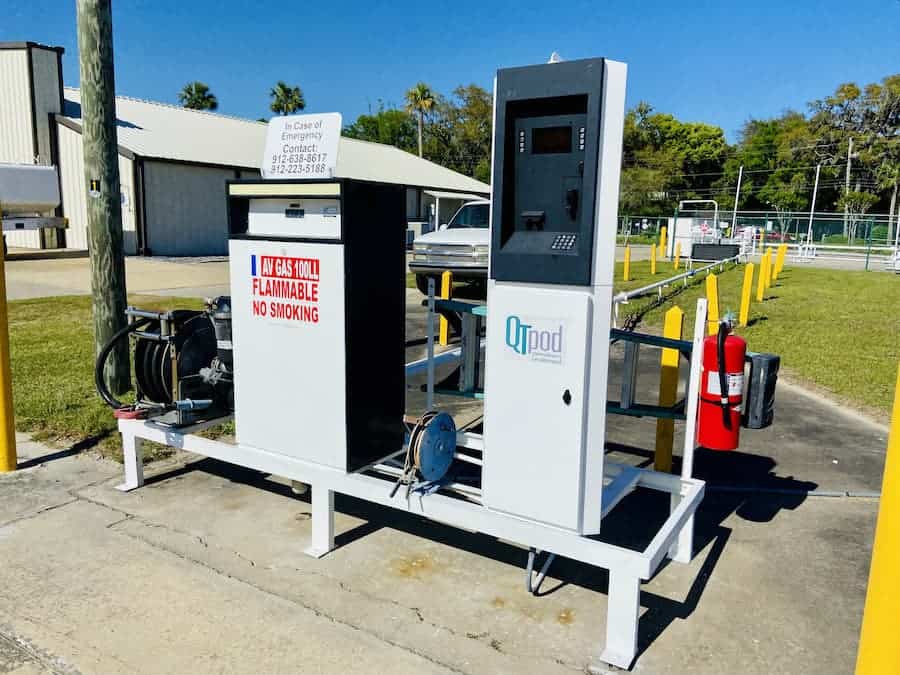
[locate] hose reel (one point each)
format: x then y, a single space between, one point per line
430 451
183 365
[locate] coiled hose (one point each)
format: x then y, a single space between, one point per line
99 380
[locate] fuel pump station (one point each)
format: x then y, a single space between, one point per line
318 397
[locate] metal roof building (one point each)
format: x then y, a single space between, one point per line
173 162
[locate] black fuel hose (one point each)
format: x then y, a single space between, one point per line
99 380
723 375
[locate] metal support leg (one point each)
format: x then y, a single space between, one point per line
682 549
322 522
134 463
622 618
533 583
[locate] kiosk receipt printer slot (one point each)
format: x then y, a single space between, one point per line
555 192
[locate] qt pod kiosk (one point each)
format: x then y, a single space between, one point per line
555 187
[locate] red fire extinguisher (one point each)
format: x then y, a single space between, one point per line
721 390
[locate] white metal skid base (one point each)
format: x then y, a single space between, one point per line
626 567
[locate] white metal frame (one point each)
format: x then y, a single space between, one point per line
626 567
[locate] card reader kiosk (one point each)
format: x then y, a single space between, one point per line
557 152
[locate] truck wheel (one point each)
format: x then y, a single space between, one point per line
422 284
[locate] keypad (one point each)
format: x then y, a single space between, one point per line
563 242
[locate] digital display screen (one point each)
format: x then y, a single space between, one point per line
546 140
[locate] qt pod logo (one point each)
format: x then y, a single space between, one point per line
539 340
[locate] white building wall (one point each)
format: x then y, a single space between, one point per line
185 208
74 192
16 140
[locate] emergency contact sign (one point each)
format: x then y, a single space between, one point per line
302 146
285 288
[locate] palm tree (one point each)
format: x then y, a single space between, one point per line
285 99
420 100
197 96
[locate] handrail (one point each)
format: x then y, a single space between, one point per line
625 296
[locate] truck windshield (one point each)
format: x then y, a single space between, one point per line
472 215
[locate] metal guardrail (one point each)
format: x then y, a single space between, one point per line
625 296
658 286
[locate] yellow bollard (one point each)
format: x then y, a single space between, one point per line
626 268
746 289
878 639
677 253
446 292
779 260
7 417
668 391
765 270
652 260
761 280
662 241
712 297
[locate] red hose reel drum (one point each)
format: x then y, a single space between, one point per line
719 418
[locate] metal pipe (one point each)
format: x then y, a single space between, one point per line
429 386
625 296
449 356
812 208
737 196
466 458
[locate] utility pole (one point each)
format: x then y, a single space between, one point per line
101 169
847 186
812 208
737 195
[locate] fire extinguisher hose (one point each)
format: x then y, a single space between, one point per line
723 374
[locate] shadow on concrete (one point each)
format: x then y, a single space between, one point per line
632 524
77 449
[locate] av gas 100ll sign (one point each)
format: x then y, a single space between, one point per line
285 288
302 146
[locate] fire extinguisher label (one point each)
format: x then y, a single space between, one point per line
735 384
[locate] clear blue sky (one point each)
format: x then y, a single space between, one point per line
713 61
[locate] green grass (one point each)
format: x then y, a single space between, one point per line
838 330
52 357
646 239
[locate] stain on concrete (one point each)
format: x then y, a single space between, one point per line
498 602
412 567
566 617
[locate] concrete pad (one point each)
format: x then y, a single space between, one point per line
105 602
777 593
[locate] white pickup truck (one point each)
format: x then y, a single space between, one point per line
460 246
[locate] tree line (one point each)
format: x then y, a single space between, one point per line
453 131
285 99
850 138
